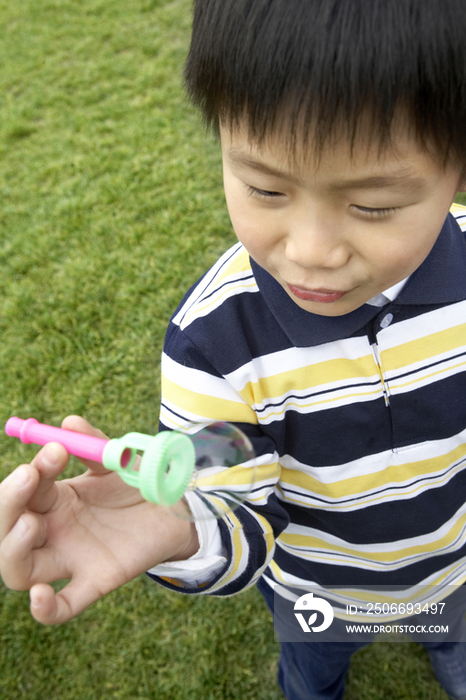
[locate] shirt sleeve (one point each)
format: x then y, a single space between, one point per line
208 561
195 394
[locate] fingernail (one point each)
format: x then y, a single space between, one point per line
35 602
20 476
50 456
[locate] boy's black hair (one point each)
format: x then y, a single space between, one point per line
324 64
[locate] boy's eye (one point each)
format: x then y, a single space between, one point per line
374 212
256 192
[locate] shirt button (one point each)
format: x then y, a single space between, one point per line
385 322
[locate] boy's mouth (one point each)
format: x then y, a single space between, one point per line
325 296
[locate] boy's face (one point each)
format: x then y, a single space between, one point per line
336 232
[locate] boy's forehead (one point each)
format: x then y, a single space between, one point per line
363 163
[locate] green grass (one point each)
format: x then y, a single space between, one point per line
111 207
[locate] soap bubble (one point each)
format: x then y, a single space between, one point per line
224 473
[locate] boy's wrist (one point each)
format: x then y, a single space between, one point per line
190 541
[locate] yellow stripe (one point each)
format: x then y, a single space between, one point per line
229 477
240 263
358 485
246 477
424 348
348 398
310 377
268 532
212 407
459 210
306 543
216 300
277 571
171 422
235 528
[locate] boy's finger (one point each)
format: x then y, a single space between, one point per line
16 551
52 608
15 492
49 462
80 425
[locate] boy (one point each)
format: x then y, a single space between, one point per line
332 334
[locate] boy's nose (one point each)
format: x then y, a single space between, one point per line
316 244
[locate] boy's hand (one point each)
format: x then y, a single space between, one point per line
93 529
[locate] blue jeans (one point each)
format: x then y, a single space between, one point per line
317 670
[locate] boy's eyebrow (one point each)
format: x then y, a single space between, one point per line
404 179
236 157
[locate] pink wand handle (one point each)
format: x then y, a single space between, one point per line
77 444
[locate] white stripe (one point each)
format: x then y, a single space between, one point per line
428 324
209 294
203 383
459 212
207 280
272 364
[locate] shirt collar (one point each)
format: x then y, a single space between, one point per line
440 279
388 295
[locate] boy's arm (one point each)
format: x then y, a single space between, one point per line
86 529
194 393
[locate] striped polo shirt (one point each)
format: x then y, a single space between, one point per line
358 423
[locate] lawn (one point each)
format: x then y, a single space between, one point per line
111 207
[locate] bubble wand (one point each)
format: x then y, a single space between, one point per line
172 464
